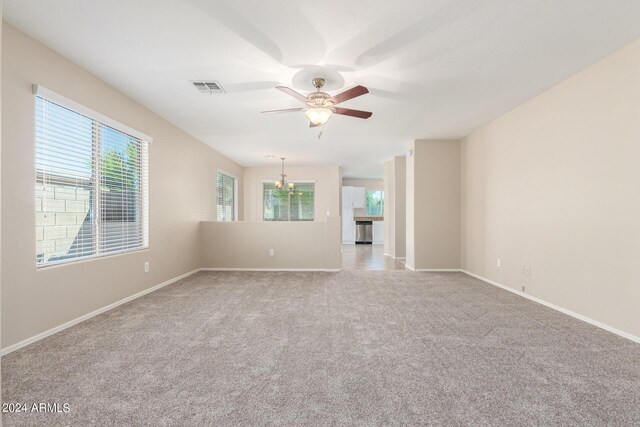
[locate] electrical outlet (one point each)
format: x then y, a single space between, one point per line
498 263
146 266
272 252
527 270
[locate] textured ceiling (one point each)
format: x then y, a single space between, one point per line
435 69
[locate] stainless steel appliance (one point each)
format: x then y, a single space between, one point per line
364 232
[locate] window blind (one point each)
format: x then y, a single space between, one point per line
91 186
283 205
225 197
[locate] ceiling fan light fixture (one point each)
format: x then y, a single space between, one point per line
320 106
319 116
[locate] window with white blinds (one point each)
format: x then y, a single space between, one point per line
225 197
91 187
284 205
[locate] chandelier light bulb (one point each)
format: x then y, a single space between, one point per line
318 116
283 180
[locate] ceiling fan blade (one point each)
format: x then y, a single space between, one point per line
286 110
349 94
353 113
291 92
313 125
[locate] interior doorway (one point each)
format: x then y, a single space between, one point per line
368 257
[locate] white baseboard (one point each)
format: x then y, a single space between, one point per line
433 270
397 258
557 308
94 313
332 270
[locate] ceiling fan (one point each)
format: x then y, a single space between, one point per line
320 106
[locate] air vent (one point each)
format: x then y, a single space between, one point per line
208 87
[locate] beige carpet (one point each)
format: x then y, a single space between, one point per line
350 348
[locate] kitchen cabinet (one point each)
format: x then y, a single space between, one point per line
348 226
347 197
359 197
378 231
353 197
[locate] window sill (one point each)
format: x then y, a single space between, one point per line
57 264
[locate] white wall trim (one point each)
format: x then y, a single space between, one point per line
333 270
397 258
94 313
432 270
557 308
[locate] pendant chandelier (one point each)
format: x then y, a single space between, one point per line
282 183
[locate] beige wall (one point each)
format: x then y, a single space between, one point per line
388 206
327 188
400 207
410 208
395 174
433 205
0 187
296 245
368 184
182 193
340 193
554 185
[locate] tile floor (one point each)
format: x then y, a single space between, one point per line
368 257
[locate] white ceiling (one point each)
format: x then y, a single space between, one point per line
435 68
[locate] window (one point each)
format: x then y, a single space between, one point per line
375 202
91 186
296 205
226 197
